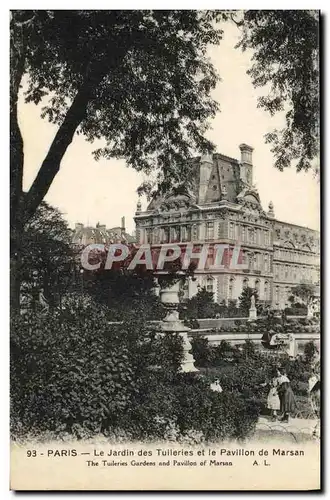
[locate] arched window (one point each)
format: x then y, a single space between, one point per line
245 282
231 288
266 290
257 286
209 284
277 295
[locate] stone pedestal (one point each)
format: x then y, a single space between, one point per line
310 310
169 297
252 313
292 348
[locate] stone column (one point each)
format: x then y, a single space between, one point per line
169 297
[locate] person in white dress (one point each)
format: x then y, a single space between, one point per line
273 400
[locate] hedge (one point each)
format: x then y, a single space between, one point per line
73 375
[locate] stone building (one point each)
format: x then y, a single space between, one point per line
223 206
87 235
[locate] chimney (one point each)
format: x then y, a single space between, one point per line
123 224
246 164
205 168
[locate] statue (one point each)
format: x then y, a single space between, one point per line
253 309
43 302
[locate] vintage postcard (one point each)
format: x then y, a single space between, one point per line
165 250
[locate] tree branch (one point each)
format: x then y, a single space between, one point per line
238 23
63 138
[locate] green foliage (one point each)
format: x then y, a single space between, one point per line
73 369
285 61
140 81
201 306
125 293
48 259
303 291
309 351
201 350
244 369
245 300
74 375
219 416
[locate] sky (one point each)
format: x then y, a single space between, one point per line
87 191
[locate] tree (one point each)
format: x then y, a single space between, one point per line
202 305
304 291
285 60
48 259
125 293
138 80
245 299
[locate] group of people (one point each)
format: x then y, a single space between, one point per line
280 397
281 401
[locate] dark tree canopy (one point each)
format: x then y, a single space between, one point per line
48 258
303 291
245 299
285 60
140 81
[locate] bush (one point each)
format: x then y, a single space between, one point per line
296 310
191 323
75 376
201 350
221 352
218 416
309 351
72 372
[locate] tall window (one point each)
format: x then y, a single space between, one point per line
266 290
258 237
245 282
231 288
210 231
266 263
266 237
277 295
172 234
257 286
195 232
209 284
259 261
155 238
252 261
231 230
166 235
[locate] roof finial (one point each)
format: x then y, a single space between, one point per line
271 212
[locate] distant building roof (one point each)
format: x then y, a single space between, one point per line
86 235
